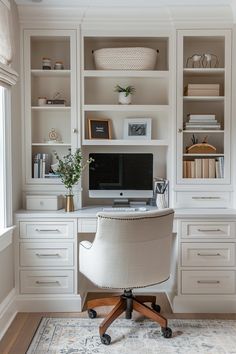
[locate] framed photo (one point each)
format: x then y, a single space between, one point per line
137 128
99 129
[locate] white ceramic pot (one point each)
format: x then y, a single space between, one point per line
123 99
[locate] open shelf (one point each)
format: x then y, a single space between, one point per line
203 98
127 73
50 108
203 155
122 142
122 108
203 71
50 73
47 144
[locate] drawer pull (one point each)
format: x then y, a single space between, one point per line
206 198
48 255
208 282
209 254
47 282
209 230
47 230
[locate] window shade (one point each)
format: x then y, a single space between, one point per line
7 74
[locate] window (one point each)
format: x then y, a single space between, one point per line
5 175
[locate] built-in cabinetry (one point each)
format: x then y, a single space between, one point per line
206 265
46 259
48 127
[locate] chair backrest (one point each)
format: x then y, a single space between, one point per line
132 250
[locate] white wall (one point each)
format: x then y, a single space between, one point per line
7 256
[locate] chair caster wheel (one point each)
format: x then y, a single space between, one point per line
92 313
156 308
105 339
166 332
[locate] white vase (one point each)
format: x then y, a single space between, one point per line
161 201
123 99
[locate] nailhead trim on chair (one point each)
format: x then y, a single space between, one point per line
132 287
133 218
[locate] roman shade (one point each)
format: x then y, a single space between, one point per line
7 74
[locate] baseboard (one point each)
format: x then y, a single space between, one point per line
8 312
48 303
204 304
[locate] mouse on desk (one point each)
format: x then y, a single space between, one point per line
142 209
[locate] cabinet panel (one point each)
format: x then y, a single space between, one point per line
207 254
50 230
207 229
208 282
46 282
46 254
203 199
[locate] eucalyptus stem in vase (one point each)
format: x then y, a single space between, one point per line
69 169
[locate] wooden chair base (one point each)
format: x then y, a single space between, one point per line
128 302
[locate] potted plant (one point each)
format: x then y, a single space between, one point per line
125 93
69 169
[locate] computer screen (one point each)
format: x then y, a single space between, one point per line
117 175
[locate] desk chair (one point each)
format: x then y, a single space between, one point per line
130 250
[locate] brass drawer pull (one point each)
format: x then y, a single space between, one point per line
47 230
206 198
48 255
209 230
209 254
208 282
47 282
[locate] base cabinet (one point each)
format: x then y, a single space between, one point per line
206 266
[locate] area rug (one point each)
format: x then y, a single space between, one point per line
80 335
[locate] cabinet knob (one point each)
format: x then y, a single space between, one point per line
180 130
75 130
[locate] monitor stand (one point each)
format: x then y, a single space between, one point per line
121 203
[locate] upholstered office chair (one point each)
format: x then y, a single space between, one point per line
130 250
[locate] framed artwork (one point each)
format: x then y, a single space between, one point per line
137 128
99 129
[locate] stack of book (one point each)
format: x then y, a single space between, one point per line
41 165
202 90
202 122
204 168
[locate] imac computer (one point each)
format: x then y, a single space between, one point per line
121 175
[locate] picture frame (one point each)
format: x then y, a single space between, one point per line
99 128
137 128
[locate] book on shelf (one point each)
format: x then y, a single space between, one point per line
202 121
41 165
201 116
204 168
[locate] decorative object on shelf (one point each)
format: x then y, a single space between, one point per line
42 101
69 169
205 60
201 148
202 122
99 129
202 90
210 61
127 58
57 100
54 137
161 192
46 64
137 128
58 65
124 93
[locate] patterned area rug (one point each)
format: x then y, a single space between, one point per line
80 335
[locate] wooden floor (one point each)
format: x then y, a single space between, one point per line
19 335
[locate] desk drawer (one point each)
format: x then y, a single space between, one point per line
46 254
208 282
87 225
46 282
49 230
203 199
208 254
207 229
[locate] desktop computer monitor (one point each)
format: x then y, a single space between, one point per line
121 175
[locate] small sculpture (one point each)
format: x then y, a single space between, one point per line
53 137
205 60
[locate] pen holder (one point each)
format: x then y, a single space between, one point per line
161 201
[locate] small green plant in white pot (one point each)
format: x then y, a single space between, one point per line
125 94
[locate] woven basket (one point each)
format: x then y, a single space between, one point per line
133 58
202 148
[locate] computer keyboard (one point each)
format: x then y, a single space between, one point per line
124 209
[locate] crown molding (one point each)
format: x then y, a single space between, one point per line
110 16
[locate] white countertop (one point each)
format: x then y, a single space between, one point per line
91 211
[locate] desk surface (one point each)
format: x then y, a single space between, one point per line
91 211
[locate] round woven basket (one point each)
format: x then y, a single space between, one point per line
130 58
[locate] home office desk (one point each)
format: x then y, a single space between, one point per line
203 277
